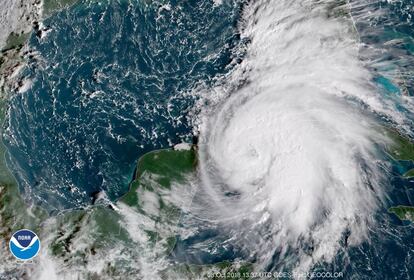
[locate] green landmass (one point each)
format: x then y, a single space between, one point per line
151 193
78 237
14 213
157 172
405 213
161 167
402 147
98 226
16 40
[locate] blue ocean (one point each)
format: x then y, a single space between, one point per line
111 81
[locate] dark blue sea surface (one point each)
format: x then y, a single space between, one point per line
111 81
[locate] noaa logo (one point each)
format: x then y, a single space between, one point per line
24 244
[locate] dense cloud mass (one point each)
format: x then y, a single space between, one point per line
291 157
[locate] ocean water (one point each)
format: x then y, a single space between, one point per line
109 82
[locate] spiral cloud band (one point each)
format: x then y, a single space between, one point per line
291 157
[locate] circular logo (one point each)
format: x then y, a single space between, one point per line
24 244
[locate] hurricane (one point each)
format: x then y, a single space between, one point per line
290 158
